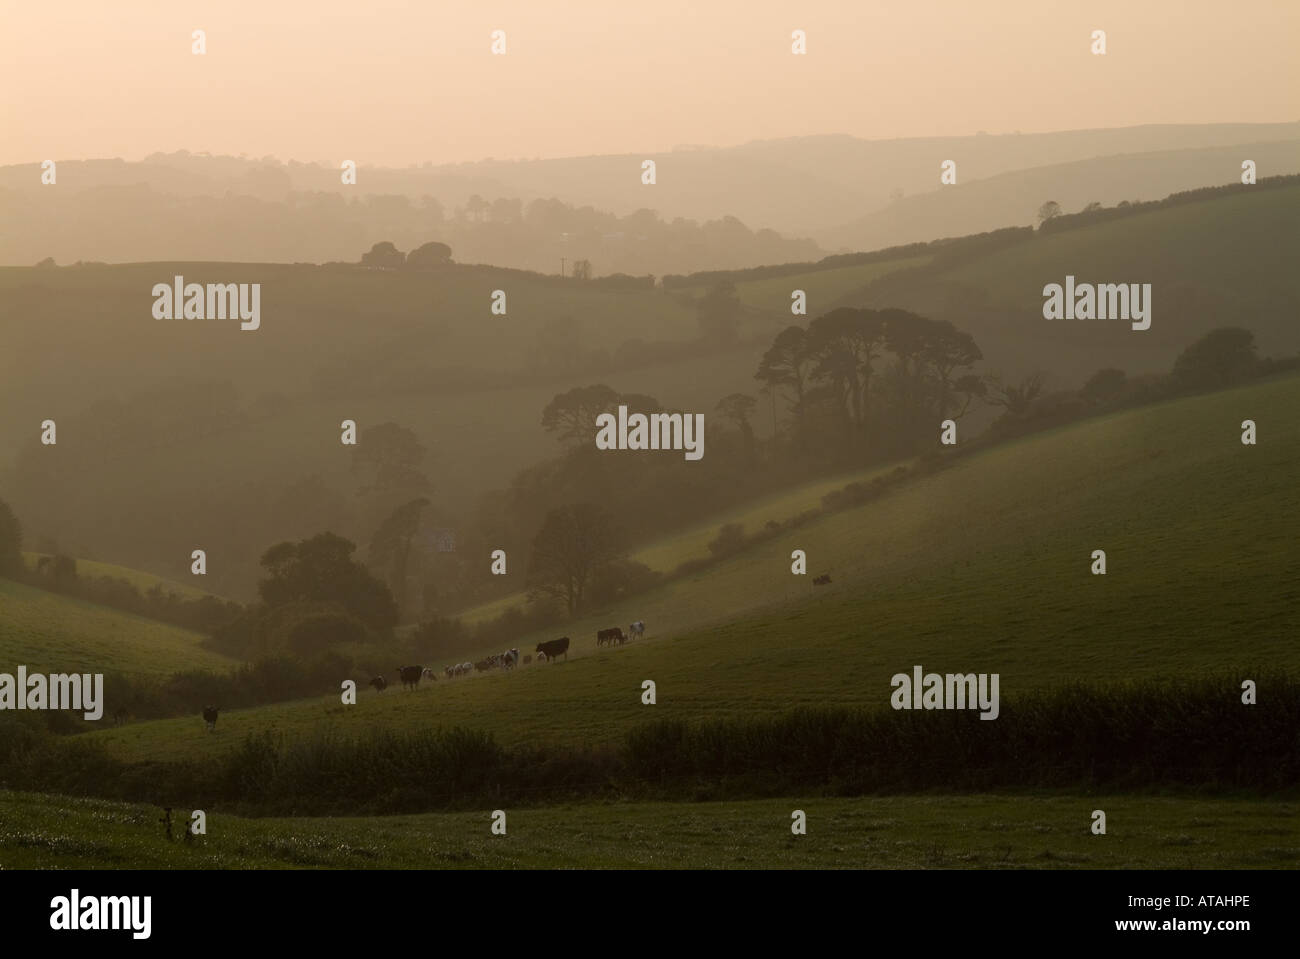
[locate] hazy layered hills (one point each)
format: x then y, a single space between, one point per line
840 191
1013 198
196 431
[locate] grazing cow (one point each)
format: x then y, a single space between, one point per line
608 637
541 657
410 676
636 630
429 674
210 717
554 647
447 671
822 580
379 683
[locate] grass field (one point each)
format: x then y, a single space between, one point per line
667 554
910 832
49 632
1193 241
138 578
822 286
981 567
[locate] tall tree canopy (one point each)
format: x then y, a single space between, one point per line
572 545
321 569
11 541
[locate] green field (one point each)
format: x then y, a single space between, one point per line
1186 243
910 832
822 286
1223 261
667 554
981 567
49 632
138 578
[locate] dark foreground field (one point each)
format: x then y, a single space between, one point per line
908 832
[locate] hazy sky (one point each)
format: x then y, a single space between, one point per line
390 83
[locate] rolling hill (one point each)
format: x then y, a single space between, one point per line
246 452
1222 260
139 579
797 185
1013 198
983 566
48 632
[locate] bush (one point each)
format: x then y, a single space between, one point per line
729 541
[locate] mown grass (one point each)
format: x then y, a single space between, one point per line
982 567
49 632
1024 831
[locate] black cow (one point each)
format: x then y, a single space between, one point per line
822 580
210 716
608 637
410 676
554 647
379 683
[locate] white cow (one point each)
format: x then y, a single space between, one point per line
636 630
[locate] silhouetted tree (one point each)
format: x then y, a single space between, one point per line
1219 358
476 208
390 547
1016 399
846 343
573 543
428 256
11 542
1103 384
1048 211
787 365
718 313
384 255
391 455
739 407
321 569
572 415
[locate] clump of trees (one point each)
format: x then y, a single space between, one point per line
11 543
314 596
869 383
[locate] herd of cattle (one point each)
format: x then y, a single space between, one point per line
549 650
